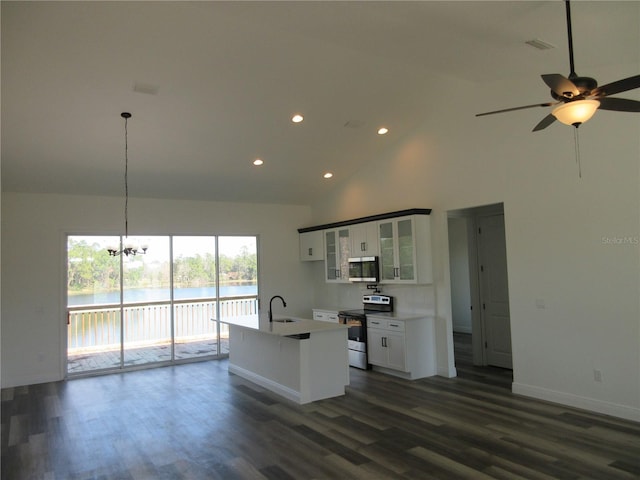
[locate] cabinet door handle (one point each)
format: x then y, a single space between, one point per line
310 251
384 341
394 325
363 246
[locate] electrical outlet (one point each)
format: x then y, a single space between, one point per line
597 375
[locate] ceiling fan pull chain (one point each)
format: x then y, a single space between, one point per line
576 141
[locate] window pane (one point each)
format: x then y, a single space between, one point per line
194 293
120 307
146 277
238 257
93 301
147 299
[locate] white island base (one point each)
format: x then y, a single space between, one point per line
300 369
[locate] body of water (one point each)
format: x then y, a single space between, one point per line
140 295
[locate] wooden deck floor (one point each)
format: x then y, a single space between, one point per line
86 362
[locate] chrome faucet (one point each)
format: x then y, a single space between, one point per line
284 304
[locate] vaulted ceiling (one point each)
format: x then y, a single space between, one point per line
212 86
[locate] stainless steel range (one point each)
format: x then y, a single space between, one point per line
356 320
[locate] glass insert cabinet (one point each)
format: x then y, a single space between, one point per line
397 250
401 240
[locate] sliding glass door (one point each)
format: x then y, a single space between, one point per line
163 306
94 333
146 303
195 294
238 281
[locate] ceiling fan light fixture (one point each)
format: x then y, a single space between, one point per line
577 112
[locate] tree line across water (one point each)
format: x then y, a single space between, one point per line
90 268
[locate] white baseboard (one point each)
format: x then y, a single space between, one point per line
11 382
585 403
447 372
286 392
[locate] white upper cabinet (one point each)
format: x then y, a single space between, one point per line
405 250
364 239
337 245
401 240
311 246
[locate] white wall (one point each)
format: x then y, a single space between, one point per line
34 229
555 226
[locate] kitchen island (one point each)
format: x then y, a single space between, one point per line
302 360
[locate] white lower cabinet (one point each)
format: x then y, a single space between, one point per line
386 343
325 315
404 348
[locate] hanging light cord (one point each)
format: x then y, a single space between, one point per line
127 249
576 141
126 117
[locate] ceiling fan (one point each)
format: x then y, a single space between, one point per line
578 97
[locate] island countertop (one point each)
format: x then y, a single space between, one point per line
298 327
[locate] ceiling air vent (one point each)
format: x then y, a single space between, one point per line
145 88
354 124
539 44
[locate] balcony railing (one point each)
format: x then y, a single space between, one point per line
97 328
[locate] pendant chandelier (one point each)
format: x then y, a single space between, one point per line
129 248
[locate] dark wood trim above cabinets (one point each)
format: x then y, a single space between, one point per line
371 218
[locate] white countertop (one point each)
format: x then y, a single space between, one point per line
298 327
399 316
332 309
404 316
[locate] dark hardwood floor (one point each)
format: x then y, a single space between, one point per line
196 421
499 377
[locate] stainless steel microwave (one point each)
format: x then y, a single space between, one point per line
363 269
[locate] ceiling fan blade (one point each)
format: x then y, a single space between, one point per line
618 87
544 123
548 104
619 104
561 85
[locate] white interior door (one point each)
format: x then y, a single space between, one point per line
494 291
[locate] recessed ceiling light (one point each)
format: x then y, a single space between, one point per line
382 130
328 175
297 118
258 161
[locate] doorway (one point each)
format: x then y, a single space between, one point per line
479 290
